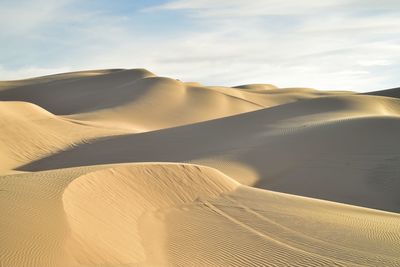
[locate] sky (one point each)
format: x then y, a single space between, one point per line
330 44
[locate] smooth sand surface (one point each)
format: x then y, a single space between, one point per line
118 168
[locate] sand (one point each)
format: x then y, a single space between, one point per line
124 168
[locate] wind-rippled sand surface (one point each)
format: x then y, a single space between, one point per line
118 168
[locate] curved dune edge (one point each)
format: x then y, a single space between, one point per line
103 208
89 216
167 214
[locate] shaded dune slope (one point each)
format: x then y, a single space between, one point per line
76 92
336 148
394 92
179 214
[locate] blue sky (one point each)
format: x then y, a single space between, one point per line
331 44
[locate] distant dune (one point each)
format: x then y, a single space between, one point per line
118 168
394 92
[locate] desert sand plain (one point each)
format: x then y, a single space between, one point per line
118 168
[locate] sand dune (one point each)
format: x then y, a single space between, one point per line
138 101
339 148
118 168
183 215
76 92
394 92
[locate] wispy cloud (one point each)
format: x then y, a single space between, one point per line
242 8
325 44
22 17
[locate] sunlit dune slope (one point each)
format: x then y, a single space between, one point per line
182 215
28 133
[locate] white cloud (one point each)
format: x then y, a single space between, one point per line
324 44
328 44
